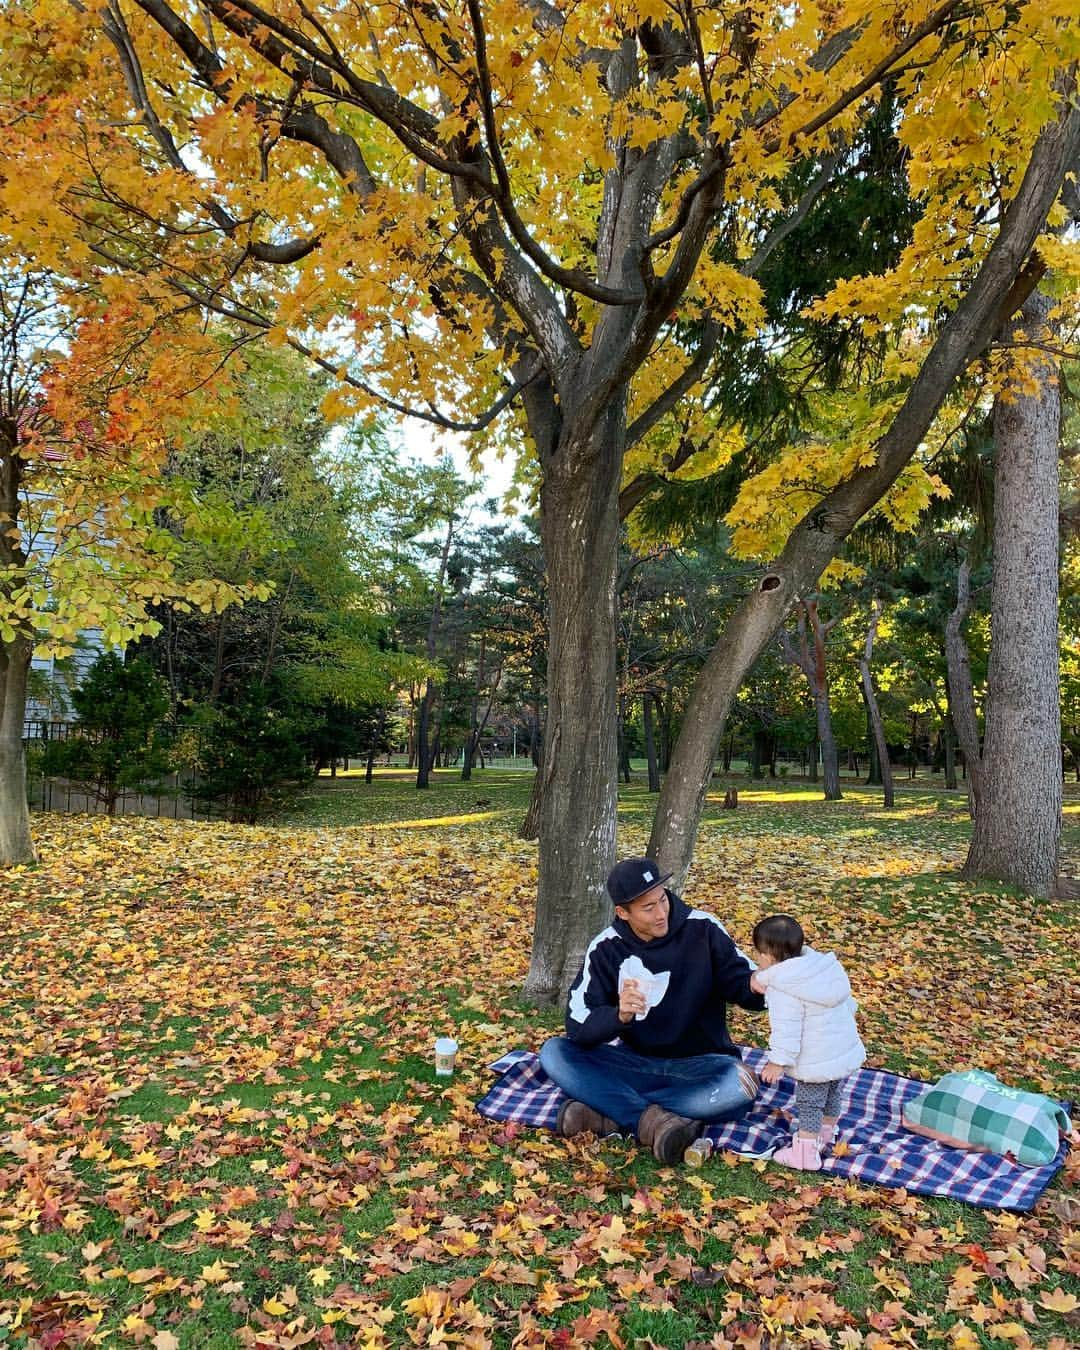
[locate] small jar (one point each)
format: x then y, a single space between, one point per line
699 1152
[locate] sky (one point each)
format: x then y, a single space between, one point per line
428 443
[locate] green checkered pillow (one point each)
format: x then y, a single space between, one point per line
975 1110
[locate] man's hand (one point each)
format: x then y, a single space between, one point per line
772 1073
755 983
631 1001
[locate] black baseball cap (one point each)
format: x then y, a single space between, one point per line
632 878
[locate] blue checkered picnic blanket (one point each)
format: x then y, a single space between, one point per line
880 1151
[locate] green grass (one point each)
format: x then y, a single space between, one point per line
233 1026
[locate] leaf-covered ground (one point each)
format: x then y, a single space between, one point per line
219 1123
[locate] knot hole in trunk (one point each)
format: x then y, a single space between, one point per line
770 582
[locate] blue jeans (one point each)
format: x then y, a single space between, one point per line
620 1084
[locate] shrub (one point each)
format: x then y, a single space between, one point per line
118 744
250 755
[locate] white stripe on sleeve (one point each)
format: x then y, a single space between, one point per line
579 1009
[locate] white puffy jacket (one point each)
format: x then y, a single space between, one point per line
812 1028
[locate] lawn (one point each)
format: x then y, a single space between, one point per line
219 1123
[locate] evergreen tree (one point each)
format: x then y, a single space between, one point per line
119 744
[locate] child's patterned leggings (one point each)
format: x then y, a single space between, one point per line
815 1100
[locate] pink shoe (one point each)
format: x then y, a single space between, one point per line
826 1137
802 1153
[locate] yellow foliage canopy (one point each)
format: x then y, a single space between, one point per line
425 197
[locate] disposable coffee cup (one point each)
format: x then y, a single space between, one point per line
445 1050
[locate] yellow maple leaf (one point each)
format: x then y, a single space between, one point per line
1059 1300
214 1274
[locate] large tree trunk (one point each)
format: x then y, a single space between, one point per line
15 842
1017 828
991 298
961 691
872 711
578 795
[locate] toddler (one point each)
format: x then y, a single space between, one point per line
812 1033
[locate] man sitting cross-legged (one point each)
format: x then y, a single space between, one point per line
647 1049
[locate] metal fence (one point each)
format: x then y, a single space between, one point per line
58 794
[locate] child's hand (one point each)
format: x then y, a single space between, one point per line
755 983
772 1073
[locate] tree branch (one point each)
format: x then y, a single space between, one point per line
790 223
666 401
930 24
571 279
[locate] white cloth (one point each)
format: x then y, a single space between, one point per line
812 1028
652 985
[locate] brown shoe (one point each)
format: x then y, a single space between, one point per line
577 1118
666 1133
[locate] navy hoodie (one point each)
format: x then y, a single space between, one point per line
701 970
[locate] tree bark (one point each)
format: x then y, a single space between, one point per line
872 710
530 825
16 845
650 741
812 665
535 733
961 690
380 727
873 759
666 739
814 541
830 758
1017 828
414 716
424 760
623 744
16 654
578 794
473 738
218 676
473 746
913 753
948 736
